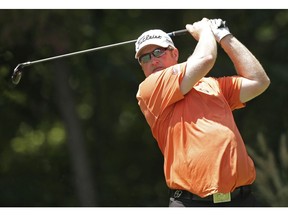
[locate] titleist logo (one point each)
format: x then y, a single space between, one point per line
148 37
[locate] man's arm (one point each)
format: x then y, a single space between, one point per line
255 81
203 57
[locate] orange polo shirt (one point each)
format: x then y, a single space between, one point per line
196 133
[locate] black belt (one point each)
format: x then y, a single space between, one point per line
237 193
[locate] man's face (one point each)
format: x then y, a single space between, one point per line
169 58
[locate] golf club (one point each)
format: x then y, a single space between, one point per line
17 74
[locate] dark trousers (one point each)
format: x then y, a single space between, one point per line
240 198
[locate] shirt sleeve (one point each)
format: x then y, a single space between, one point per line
230 87
160 90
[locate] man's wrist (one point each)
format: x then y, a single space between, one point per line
225 39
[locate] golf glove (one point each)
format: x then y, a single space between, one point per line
219 29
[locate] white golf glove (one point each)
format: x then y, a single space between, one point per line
219 29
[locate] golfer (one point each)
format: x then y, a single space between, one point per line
190 114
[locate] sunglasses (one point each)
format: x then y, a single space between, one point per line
158 52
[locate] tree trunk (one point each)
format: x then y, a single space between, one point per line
76 145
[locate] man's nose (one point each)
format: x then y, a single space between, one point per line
154 60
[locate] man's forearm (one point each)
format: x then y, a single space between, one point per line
245 63
203 57
255 81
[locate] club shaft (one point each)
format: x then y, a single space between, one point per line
75 53
173 34
17 74
178 33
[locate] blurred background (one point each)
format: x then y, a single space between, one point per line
71 132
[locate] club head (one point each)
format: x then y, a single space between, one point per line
17 74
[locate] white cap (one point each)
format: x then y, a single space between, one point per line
153 37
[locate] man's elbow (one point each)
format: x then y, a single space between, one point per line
262 81
208 61
265 82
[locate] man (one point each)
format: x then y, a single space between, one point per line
190 115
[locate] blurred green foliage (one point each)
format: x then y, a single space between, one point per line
75 122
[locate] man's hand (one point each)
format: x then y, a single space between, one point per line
198 28
219 29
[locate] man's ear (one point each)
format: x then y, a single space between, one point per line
175 53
